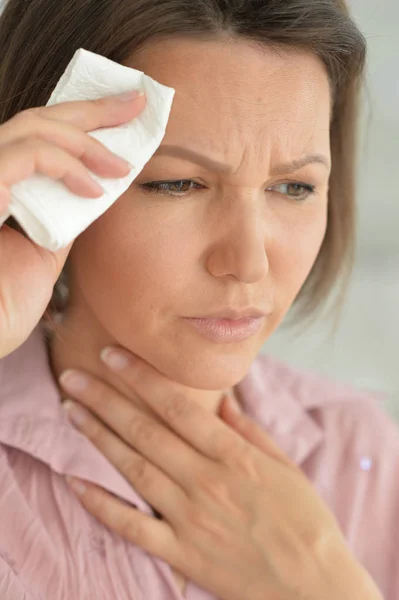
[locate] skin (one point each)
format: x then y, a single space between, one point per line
217 475
241 239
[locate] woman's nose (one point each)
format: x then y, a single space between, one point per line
240 249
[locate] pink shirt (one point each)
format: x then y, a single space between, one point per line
52 549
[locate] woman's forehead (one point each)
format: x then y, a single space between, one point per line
241 94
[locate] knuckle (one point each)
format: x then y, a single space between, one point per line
32 144
99 395
240 451
28 116
210 484
176 407
226 447
242 458
93 430
29 121
202 521
134 530
96 502
136 470
36 110
96 144
234 454
100 102
141 430
35 146
195 516
252 430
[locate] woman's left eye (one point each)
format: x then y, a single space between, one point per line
180 187
297 191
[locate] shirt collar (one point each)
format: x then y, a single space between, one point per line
32 419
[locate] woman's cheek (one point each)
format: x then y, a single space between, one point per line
131 255
294 253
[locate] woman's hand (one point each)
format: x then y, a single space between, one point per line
239 518
53 141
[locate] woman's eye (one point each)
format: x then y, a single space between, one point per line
297 191
180 187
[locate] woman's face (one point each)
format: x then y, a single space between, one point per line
237 230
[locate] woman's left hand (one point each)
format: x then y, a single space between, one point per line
239 518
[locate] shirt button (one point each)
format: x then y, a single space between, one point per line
366 463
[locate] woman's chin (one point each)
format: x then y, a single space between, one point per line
206 373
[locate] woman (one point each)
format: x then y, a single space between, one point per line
247 207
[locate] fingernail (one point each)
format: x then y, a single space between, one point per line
73 381
76 485
131 95
114 359
77 415
129 165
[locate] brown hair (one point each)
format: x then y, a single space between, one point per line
39 37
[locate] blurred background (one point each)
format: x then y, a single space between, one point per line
364 350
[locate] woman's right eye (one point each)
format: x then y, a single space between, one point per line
180 187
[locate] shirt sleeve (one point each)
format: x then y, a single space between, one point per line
359 471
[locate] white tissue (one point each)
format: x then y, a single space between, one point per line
47 210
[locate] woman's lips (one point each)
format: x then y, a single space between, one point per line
227 330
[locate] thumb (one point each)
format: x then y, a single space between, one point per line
231 413
54 260
4 201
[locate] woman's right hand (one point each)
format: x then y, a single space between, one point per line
52 141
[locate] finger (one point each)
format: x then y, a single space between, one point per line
94 155
90 115
193 423
140 431
4 201
251 431
24 267
21 160
157 489
152 535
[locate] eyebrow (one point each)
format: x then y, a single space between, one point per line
214 165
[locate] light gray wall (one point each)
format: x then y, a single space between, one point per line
365 349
